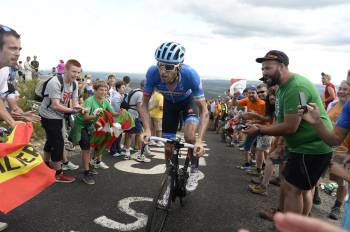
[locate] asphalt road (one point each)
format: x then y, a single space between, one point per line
121 197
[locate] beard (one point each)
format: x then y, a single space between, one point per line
273 79
253 99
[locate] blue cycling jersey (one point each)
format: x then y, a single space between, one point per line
189 84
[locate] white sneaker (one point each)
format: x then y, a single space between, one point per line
160 144
101 165
147 151
93 163
192 181
164 201
127 155
141 158
117 154
152 143
69 146
3 226
70 166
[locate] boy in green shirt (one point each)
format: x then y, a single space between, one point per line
84 126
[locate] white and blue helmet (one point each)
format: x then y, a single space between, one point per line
170 53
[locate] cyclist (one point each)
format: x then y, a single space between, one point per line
182 89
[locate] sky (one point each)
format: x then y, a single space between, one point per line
222 37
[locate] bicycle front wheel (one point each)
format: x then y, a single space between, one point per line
159 210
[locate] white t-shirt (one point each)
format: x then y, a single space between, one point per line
136 98
4 74
53 89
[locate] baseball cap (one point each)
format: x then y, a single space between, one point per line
251 87
274 55
326 75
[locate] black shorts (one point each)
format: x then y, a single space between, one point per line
54 139
211 116
171 115
137 129
84 142
304 170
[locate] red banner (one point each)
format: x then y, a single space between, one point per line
23 173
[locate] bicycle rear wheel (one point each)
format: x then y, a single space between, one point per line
160 206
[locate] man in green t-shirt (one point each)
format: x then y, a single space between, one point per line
308 155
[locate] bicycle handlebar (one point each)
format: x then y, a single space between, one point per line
164 140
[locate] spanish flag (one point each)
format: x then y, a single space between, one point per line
23 173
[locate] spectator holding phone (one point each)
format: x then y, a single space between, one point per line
308 155
255 106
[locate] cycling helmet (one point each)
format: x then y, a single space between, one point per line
170 52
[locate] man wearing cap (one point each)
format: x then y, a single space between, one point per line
255 105
308 155
329 91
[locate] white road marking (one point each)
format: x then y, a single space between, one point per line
159 155
124 206
127 166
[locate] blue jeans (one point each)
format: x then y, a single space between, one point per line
346 216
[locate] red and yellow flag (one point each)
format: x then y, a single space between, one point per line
23 173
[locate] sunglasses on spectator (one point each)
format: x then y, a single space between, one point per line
80 79
167 67
6 29
261 92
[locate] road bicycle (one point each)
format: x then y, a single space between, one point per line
173 186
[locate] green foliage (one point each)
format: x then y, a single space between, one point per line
26 90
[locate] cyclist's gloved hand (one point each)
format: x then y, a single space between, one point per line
198 150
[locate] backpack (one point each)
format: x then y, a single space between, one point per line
10 89
125 104
41 87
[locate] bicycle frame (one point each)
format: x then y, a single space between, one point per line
178 175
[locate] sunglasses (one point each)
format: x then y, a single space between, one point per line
261 92
6 29
167 67
80 79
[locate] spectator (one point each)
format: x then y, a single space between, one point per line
308 155
255 108
35 66
28 69
60 67
329 91
111 80
10 47
127 81
21 71
53 71
9 38
263 141
135 133
81 89
212 115
89 88
343 94
84 126
116 102
52 110
156 113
